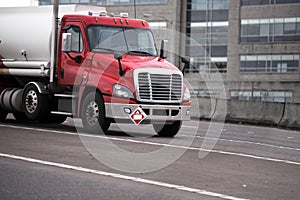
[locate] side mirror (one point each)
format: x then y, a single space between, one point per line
118 55
185 60
66 42
163 49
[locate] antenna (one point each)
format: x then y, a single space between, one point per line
134 5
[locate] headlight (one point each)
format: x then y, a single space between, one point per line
187 95
122 91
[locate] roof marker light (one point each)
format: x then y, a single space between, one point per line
103 13
124 15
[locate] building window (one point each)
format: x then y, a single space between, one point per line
267 2
269 63
210 4
50 2
207 28
203 65
118 2
211 33
102 2
270 30
266 96
208 47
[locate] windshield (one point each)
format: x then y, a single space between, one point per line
119 39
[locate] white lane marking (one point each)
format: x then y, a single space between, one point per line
256 127
158 144
123 177
242 141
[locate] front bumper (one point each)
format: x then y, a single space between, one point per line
155 113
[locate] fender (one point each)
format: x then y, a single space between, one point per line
42 87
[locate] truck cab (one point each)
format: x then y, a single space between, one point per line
108 70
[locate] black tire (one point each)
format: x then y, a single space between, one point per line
167 130
54 118
3 114
19 116
36 105
93 114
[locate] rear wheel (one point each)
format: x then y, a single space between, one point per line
93 114
35 104
167 130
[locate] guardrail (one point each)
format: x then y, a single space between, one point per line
285 115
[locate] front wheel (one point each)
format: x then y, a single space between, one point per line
167 130
93 114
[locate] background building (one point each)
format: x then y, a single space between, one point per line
253 45
17 3
263 55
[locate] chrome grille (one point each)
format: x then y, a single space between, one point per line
154 87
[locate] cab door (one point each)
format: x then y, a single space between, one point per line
71 71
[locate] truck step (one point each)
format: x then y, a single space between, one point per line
61 113
65 95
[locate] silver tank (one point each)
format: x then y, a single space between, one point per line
28 30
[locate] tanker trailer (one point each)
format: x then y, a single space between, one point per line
25 52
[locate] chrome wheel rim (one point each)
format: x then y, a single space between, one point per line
92 113
31 101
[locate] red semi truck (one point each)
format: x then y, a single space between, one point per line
88 65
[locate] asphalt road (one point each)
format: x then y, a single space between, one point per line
205 161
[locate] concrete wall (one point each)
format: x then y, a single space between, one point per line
266 113
291 116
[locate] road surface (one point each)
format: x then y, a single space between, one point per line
47 161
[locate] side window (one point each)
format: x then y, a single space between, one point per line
77 41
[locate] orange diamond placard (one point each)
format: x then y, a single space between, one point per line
138 116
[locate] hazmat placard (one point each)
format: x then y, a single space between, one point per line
138 116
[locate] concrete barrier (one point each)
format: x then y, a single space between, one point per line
195 113
207 108
255 112
264 113
291 117
203 108
220 110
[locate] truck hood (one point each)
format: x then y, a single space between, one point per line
131 62
107 67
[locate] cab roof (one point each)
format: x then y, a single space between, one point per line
107 20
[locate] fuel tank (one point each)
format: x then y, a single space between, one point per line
25 32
